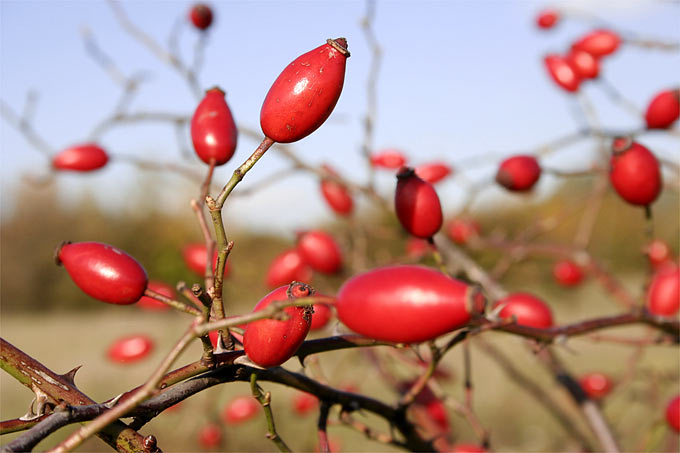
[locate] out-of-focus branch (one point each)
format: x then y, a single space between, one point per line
26 128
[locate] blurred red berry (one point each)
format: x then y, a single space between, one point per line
213 130
598 43
129 349
85 157
390 159
584 64
304 403
148 303
663 110
547 18
320 251
518 173
417 205
210 436
562 72
596 385
337 196
461 230
416 247
195 255
528 309
288 266
567 273
658 253
673 413
240 409
322 314
201 16
663 296
634 172
433 172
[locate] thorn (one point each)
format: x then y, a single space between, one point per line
113 402
245 361
71 375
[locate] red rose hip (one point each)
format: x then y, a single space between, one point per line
433 172
562 73
103 272
663 110
673 413
658 253
304 403
269 342
596 385
567 273
85 157
195 256
390 159
547 18
322 314
584 64
518 173
305 93
337 196
213 131
288 266
151 304
598 43
320 251
406 304
201 16
528 309
461 230
417 205
210 436
634 172
663 295
130 349
240 409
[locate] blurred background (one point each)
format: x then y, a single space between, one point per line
461 82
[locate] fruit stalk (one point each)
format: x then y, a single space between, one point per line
265 400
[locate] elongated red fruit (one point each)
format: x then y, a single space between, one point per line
433 172
406 304
461 230
663 110
195 255
130 349
634 172
547 18
673 413
518 173
320 251
528 309
322 314
598 43
240 409
86 157
336 195
201 16
417 205
213 131
210 436
304 403
567 273
103 272
663 296
288 266
305 93
148 303
269 342
390 159
562 73
658 253
584 64
596 385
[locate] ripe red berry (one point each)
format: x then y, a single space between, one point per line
85 157
406 304
634 172
320 251
562 72
433 172
598 43
584 64
468 448
528 309
567 273
269 342
673 413
103 272
195 255
305 93
210 436
390 159
336 195
663 296
201 16
240 409
322 314
287 267
417 205
547 18
461 230
658 253
416 247
596 385
304 403
130 349
663 110
213 131
148 303
518 173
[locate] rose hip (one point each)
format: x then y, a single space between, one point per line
130 349
417 205
663 110
518 173
201 16
287 267
320 251
213 131
634 172
562 73
83 158
528 309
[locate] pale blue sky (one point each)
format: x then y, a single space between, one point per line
459 79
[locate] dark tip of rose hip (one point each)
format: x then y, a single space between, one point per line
405 172
621 144
57 252
216 88
297 289
340 44
504 178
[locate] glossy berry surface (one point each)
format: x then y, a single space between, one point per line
547 18
201 16
658 253
562 73
85 157
322 314
461 230
406 304
288 266
528 309
390 159
518 173
417 205
304 403
663 110
567 273
130 349
337 196
673 413
305 93
195 255
596 385
320 251
240 409
269 342
210 436
433 172
104 272
584 64
148 303
598 43
634 172
663 295
213 131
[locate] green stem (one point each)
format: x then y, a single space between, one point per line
265 400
